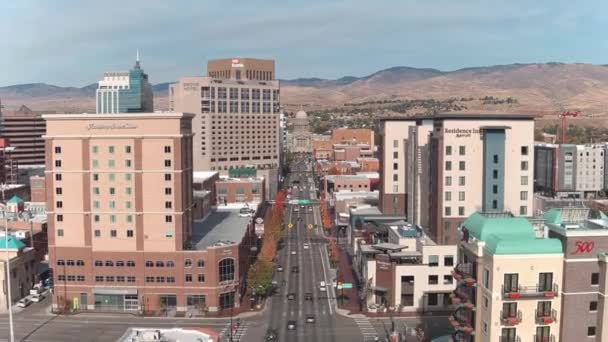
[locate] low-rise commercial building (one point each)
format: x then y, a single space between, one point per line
368 164
403 270
332 183
22 270
239 190
508 281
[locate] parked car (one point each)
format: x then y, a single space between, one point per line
24 302
291 325
308 296
291 296
36 298
310 318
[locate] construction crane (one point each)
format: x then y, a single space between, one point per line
563 127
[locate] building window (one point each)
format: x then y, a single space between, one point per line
432 299
448 260
149 279
130 263
395 155
461 196
167 191
111 177
590 331
595 279
59 218
97 233
167 163
128 177
461 166
188 263
486 278
109 263
58 177
200 263
120 263
167 149
523 195
128 190
461 181
58 191
495 159
188 278
395 179
494 189
460 211
59 204
57 163
130 279
160 264
433 280
495 174
129 232
95 149
95 163
128 163
113 233
395 166
168 218
168 205
201 278
448 196
448 180
448 280
494 204
111 149
448 211
461 150
448 165
523 210
226 269
112 191
524 180
593 306
127 149
524 165
448 150
524 150
167 176
433 260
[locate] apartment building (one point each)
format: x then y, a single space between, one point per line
125 92
237 116
584 236
438 170
24 129
566 170
120 227
508 282
403 270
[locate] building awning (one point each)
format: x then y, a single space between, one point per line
379 288
109 291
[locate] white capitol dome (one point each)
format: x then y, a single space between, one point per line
301 115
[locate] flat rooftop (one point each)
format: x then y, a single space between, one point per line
201 176
576 219
224 226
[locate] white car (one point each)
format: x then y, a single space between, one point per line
296 209
24 302
306 246
322 286
37 297
293 252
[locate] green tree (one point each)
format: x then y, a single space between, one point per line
259 278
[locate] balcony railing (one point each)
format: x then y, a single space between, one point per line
530 292
509 339
545 317
544 338
510 319
464 271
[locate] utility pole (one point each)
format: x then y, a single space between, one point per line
8 275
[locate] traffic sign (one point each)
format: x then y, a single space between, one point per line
310 226
304 201
347 285
290 225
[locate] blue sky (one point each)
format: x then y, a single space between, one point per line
73 42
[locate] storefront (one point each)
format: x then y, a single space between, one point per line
116 299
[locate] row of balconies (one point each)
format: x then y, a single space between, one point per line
535 291
540 317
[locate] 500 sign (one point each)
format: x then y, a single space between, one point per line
583 247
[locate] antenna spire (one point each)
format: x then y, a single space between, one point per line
137 59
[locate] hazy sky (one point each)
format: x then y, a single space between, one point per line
73 42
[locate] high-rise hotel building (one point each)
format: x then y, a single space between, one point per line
237 116
125 92
438 170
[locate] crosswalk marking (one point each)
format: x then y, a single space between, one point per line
240 332
366 327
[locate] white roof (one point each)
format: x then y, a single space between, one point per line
203 175
369 174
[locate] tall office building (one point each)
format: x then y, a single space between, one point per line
438 170
24 129
125 92
237 116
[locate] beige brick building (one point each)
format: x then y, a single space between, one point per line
237 116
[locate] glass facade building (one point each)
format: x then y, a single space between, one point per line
125 92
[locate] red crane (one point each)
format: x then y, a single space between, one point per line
563 128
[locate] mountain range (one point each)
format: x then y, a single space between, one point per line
537 87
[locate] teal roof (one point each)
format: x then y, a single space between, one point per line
12 243
15 199
509 235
